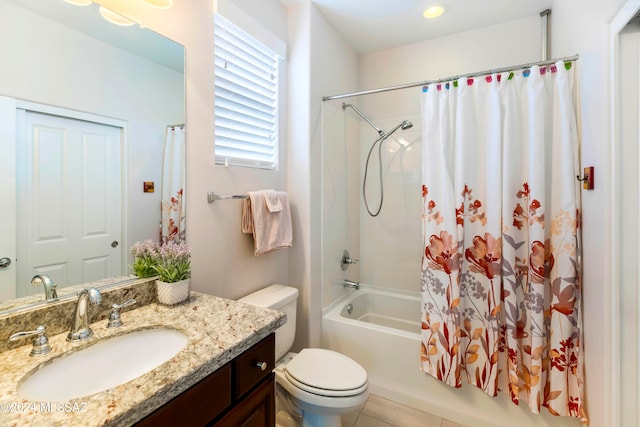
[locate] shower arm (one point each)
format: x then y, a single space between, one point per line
366 119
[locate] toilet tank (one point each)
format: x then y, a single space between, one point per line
282 298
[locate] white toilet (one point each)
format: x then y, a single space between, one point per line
317 385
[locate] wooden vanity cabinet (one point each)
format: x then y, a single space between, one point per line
240 393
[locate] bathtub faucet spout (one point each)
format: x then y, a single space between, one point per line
350 284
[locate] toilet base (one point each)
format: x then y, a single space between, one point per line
285 419
289 414
310 419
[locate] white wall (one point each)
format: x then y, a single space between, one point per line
391 243
51 64
313 45
299 180
629 113
335 72
583 27
340 198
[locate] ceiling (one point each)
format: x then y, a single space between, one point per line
368 25
372 25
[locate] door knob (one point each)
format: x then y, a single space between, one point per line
5 262
114 244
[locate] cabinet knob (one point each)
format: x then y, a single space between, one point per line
262 365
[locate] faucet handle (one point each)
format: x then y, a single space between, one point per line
40 343
114 317
346 260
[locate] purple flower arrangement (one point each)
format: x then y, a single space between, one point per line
171 261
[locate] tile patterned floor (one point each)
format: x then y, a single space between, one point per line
379 412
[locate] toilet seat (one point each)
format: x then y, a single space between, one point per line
324 391
326 373
318 403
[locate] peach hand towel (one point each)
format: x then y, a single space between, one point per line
266 215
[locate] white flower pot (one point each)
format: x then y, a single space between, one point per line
173 293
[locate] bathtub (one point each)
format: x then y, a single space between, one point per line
380 329
396 313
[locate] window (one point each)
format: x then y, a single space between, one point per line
246 99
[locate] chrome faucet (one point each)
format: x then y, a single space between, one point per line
80 325
50 291
350 284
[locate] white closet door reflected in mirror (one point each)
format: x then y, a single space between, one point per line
69 200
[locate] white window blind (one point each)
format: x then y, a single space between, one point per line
246 99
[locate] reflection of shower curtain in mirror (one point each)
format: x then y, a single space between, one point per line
173 179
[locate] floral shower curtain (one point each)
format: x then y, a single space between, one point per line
173 179
501 297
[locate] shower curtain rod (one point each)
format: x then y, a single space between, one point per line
476 74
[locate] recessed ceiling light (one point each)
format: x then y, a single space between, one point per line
160 4
114 18
434 11
79 2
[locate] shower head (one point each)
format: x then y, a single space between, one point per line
383 135
404 126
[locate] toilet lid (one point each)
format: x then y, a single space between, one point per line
326 369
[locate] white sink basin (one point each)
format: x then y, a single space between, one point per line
107 364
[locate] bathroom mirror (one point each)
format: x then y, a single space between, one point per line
68 58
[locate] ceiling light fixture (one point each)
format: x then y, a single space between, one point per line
160 4
114 18
434 11
79 2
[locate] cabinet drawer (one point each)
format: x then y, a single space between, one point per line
197 405
248 368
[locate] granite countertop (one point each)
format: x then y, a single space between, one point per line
218 330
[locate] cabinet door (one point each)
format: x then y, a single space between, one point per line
255 410
197 405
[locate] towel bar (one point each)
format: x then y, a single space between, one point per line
212 197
